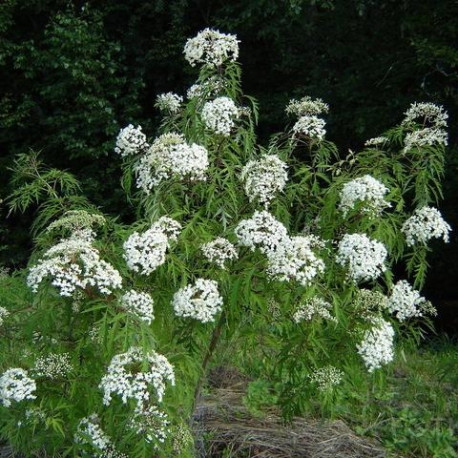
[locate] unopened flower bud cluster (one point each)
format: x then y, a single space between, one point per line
145 252
219 115
316 306
263 178
171 157
369 303
219 251
74 263
76 220
425 224
53 365
306 107
124 380
376 141
326 378
131 141
294 259
365 190
406 302
169 102
200 301
139 304
376 347
16 386
364 258
212 48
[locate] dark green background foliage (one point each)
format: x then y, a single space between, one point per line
73 73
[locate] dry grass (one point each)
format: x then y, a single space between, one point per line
224 428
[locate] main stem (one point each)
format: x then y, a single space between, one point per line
210 350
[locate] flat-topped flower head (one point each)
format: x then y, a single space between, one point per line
212 48
219 251
376 347
131 141
310 126
406 302
364 258
74 264
261 231
171 157
200 301
169 102
219 115
365 190
294 259
425 224
139 304
16 386
263 178
124 379
426 114
306 107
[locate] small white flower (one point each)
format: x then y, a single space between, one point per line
200 301
376 348
3 314
326 377
316 306
364 258
130 141
366 190
219 115
212 48
89 432
17 386
53 365
310 126
425 224
151 424
264 178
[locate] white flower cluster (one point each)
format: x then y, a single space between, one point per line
326 377
145 252
3 314
261 231
316 306
53 365
151 424
365 189
219 251
433 118
376 141
90 432
124 379
74 263
16 385
425 224
294 259
170 156
376 348
200 301
130 141
310 126
406 302
364 258
139 304
212 48
369 303
219 115
264 178
207 88
427 113
169 102
306 106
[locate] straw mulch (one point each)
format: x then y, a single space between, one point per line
224 428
